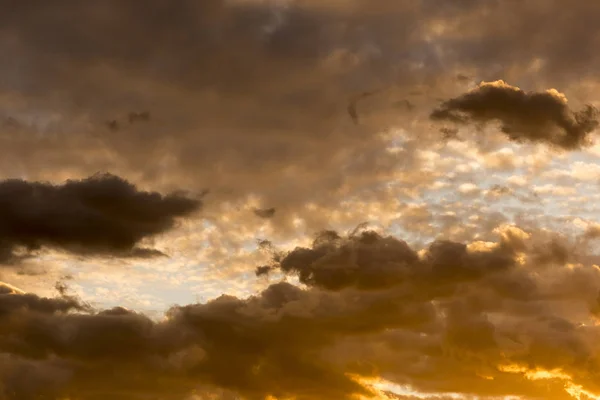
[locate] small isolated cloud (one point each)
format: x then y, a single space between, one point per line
265 212
523 116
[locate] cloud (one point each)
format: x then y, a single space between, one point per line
369 261
264 212
232 343
251 98
233 82
453 318
247 97
537 116
100 215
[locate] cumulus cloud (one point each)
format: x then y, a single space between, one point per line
103 214
370 261
535 117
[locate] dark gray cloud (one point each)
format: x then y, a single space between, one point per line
103 214
369 261
536 117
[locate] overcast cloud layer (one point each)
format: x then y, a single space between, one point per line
299 199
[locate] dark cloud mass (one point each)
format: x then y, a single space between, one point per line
466 310
103 214
536 117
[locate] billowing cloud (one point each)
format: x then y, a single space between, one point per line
369 261
478 318
536 116
103 214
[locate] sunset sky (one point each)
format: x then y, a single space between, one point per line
299 199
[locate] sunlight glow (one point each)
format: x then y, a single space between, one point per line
381 386
574 390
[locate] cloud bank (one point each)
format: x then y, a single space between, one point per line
479 318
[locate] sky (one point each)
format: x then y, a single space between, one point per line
299 200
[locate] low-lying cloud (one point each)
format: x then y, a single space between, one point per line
474 318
